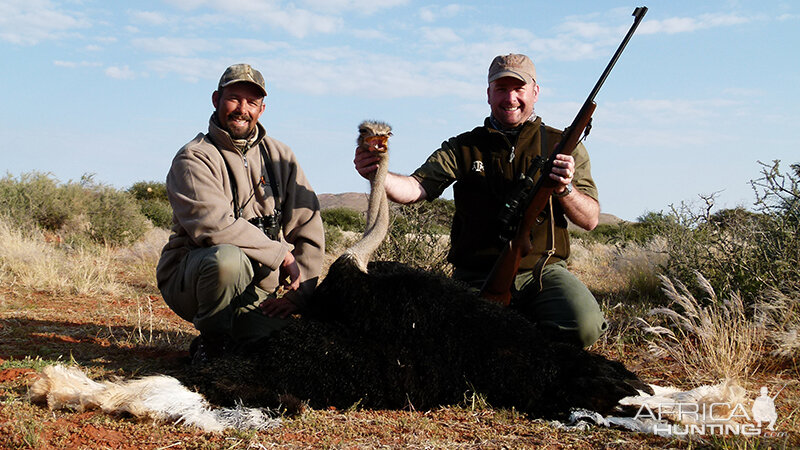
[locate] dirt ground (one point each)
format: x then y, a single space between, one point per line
113 337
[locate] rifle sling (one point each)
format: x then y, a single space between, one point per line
538 269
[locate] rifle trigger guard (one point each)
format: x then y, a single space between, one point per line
587 129
538 162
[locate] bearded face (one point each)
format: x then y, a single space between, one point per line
239 106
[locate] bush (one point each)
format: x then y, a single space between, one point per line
37 199
79 212
438 217
645 229
334 238
159 212
153 202
149 190
418 236
739 250
345 219
115 217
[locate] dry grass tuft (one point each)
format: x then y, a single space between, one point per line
631 269
28 260
710 343
778 314
140 259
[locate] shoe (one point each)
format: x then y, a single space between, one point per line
197 352
205 348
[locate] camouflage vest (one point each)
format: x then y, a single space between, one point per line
488 174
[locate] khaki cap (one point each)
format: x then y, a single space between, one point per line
238 73
512 65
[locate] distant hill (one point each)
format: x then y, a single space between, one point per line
352 200
358 202
605 219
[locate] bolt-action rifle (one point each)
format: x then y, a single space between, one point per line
530 198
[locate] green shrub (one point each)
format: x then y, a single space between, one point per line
158 211
81 212
646 227
149 190
418 236
737 250
153 202
37 199
115 217
345 219
334 238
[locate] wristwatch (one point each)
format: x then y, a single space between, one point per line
563 193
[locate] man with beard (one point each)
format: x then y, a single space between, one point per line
247 240
484 164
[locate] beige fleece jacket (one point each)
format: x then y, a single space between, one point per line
199 190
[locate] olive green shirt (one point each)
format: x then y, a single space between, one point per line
484 164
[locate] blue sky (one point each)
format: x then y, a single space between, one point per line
703 91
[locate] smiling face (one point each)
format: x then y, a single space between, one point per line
239 106
512 100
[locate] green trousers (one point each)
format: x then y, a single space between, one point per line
564 307
214 289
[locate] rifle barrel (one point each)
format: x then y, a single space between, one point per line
526 203
638 13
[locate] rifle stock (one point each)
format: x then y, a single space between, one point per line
497 286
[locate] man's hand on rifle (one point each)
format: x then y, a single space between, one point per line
581 209
563 171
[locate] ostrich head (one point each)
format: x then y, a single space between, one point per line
373 136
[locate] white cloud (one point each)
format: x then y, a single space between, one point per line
300 23
343 71
675 25
440 35
120 73
148 17
254 46
297 22
360 6
189 69
188 5
174 45
589 36
371 35
433 13
28 22
75 64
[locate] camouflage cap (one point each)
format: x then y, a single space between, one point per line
512 65
238 73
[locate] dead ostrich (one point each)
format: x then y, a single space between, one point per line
384 335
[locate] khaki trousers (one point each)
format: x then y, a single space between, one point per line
564 307
213 288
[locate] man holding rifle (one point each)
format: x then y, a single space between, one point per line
485 164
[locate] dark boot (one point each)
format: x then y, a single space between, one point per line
208 346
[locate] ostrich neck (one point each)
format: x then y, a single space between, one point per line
377 223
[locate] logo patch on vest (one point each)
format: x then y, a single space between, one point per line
477 166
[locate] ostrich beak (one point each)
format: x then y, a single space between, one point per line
377 144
